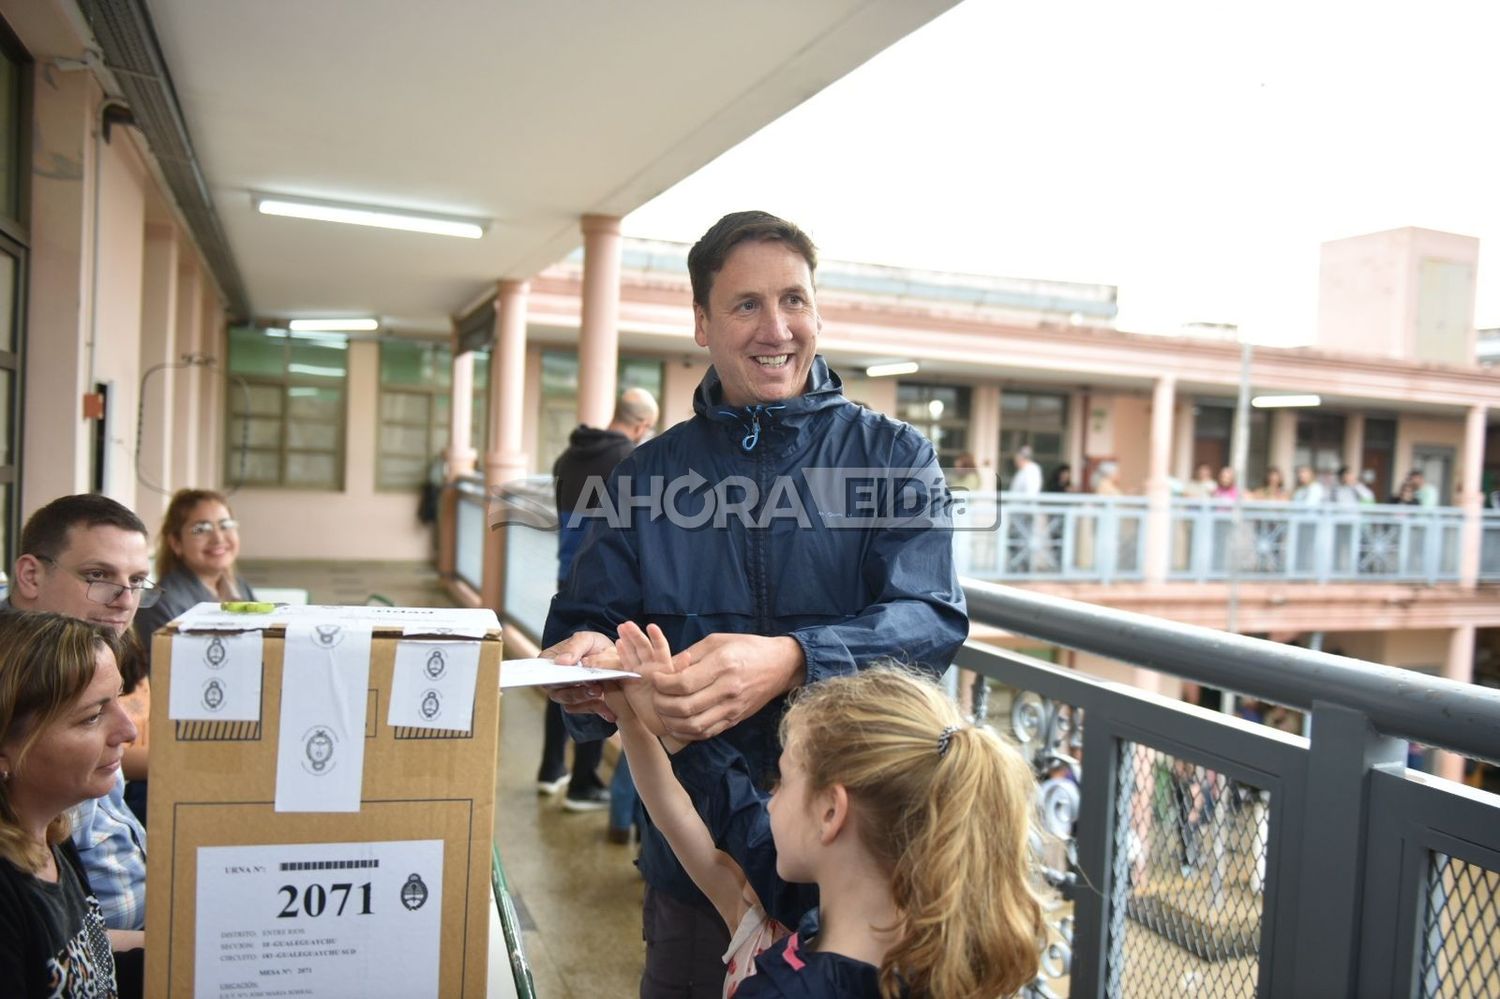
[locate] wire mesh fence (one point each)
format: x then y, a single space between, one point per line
1189 879
1461 935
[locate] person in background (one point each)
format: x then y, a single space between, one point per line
86 556
1203 482
965 473
63 733
195 556
1028 478
1106 479
1350 491
579 475
1061 480
1225 486
1426 492
1274 491
1405 494
1309 491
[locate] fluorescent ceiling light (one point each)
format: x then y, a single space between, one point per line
896 368
1285 401
370 215
334 325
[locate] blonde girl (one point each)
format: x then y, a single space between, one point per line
912 825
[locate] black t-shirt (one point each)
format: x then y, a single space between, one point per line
52 936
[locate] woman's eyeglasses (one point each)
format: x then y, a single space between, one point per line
102 591
199 528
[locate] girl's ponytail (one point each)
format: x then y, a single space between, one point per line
946 808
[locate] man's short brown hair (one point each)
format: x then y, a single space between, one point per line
707 256
46 532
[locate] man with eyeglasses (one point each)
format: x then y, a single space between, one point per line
86 556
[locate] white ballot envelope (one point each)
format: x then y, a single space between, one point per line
546 673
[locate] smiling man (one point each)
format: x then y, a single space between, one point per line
86 556
753 558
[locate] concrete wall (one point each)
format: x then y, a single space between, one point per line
1424 649
1406 293
55 435
106 299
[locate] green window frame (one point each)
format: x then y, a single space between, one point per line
287 406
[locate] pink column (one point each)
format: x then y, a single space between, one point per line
1471 499
1354 441
1158 484
505 461
599 335
984 431
1284 444
1459 667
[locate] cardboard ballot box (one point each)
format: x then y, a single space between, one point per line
300 843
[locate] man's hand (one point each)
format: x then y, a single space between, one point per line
728 678
591 649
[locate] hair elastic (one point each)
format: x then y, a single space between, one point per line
945 739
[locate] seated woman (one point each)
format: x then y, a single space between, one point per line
195 555
62 739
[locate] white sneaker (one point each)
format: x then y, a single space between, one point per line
552 786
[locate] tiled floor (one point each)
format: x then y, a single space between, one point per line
579 897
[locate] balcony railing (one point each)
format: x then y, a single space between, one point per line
1194 853
1102 539
1074 538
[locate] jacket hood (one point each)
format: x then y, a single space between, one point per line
776 421
588 442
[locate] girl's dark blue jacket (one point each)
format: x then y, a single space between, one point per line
736 814
815 518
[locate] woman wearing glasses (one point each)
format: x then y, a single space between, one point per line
195 555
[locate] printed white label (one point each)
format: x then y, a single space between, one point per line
320 752
215 677
432 685
319 919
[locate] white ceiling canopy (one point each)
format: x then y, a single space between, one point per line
525 113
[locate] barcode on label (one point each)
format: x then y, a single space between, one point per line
327 865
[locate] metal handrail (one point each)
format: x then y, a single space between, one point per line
510 925
1461 717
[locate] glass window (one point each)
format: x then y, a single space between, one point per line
1320 442
416 387
286 402
1038 419
560 397
940 413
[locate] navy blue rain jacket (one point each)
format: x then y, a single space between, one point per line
759 547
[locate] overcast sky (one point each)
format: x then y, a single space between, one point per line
1193 153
